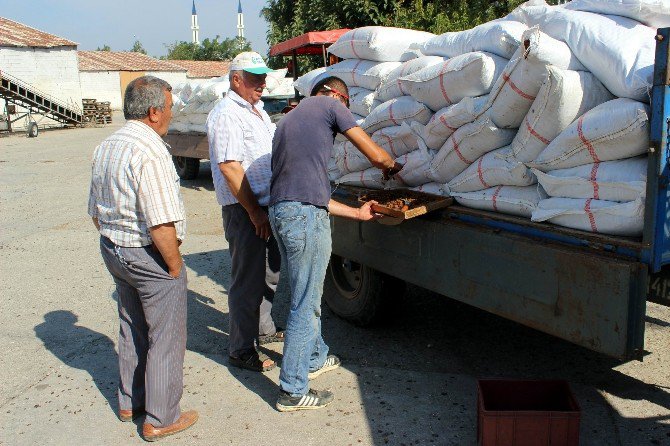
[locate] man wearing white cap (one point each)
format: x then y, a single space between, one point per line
240 145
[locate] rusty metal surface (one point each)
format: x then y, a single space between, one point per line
189 145
589 298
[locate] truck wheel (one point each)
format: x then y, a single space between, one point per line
187 168
33 130
359 293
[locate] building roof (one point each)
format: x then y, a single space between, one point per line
203 68
122 61
17 34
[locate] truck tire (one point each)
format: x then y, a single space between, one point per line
33 130
358 293
187 168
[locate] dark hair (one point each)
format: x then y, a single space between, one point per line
333 82
142 94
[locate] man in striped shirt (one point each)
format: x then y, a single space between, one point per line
136 205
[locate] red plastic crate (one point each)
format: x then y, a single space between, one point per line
526 413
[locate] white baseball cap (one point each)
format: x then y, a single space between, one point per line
249 61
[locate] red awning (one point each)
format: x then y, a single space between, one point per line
309 43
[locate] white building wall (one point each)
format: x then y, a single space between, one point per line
54 71
103 86
171 77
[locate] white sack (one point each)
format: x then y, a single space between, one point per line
497 37
448 119
564 96
362 73
306 82
197 128
446 83
177 105
618 50
392 86
514 200
179 127
212 91
515 90
496 168
333 170
395 112
349 159
197 118
371 178
397 140
416 169
185 92
432 188
600 216
613 130
362 100
466 145
620 180
654 13
274 79
379 43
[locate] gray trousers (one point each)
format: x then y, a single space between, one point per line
152 335
254 277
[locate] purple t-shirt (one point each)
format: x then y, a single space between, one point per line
301 148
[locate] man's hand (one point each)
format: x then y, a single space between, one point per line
165 240
390 171
261 222
366 213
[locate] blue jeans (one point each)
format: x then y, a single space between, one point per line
303 235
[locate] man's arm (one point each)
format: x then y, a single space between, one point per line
165 240
239 185
375 154
363 213
96 223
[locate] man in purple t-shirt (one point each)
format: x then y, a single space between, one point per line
299 206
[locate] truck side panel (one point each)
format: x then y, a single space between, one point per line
594 300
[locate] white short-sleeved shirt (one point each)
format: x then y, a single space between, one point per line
134 186
236 133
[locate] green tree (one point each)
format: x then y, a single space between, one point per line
138 48
104 48
208 50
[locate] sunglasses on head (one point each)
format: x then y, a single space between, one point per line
342 95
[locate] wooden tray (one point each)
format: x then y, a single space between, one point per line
418 203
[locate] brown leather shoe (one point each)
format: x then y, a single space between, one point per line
130 414
186 420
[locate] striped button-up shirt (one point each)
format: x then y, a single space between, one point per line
134 186
236 133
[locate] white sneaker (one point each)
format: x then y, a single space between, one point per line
332 362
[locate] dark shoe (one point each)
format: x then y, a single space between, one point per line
130 414
332 362
186 420
314 399
252 360
269 339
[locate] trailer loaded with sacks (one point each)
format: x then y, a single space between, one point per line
548 128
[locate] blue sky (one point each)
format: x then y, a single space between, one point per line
94 23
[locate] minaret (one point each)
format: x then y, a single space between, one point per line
240 20
194 25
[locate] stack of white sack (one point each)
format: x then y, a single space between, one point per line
515 200
380 43
496 168
447 120
516 89
277 84
564 96
501 37
392 86
465 146
396 141
619 51
404 109
591 174
362 101
197 99
446 83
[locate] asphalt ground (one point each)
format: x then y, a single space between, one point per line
411 380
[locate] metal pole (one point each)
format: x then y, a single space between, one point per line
325 61
295 71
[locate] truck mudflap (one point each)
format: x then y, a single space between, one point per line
593 299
